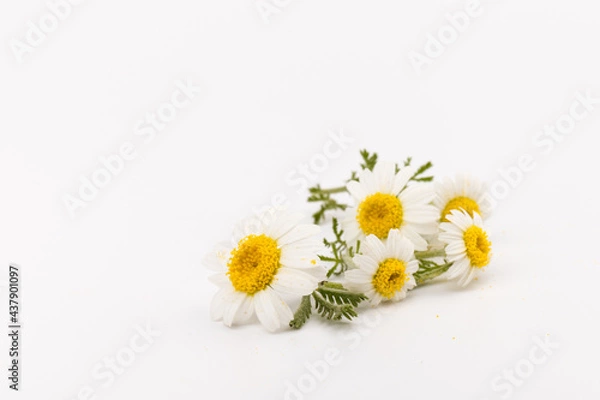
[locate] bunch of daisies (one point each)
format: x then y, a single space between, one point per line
399 231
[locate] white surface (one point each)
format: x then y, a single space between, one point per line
269 95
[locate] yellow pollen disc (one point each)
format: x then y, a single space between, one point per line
253 263
379 213
466 203
478 246
390 277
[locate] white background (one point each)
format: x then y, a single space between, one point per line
270 94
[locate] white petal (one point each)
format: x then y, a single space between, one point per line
400 295
385 174
421 193
366 263
375 299
374 248
357 190
298 233
412 267
456 257
421 215
221 302
350 226
219 279
477 221
368 182
301 254
416 239
282 223
293 281
292 261
283 311
449 237
358 276
457 247
460 219
402 178
393 244
249 226
245 311
466 278
265 309
400 247
217 259
232 309
457 269
450 227
426 229
358 287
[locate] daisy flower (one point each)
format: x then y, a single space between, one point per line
266 260
467 245
385 269
386 203
461 193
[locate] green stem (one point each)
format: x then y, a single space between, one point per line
340 189
302 314
424 275
430 253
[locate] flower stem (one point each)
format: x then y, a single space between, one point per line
427 273
339 189
430 253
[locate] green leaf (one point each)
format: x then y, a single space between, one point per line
337 293
335 302
429 270
302 314
332 301
418 175
369 160
338 248
323 196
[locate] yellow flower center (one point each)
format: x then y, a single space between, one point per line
253 263
379 213
466 203
390 277
478 246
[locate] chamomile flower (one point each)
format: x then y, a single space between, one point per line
385 268
386 203
269 257
467 245
463 192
